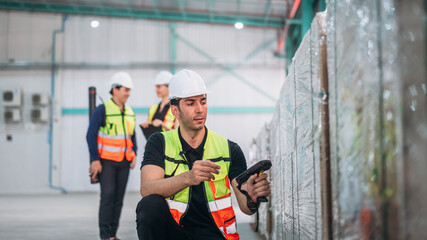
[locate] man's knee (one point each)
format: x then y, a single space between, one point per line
150 208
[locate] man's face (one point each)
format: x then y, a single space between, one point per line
193 112
162 91
122 94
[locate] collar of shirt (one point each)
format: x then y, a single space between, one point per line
124 106
188 150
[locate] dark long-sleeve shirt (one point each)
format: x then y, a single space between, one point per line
96 121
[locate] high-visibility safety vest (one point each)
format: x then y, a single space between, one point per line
115 138
169 117
217 192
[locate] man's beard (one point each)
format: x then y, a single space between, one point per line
198 127
193 126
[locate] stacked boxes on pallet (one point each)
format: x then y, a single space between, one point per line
370 124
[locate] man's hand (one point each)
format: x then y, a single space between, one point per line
132 164
258 186
95 168
202 171
144 125
157 122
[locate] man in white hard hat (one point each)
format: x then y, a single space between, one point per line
160 117
186 173
112 146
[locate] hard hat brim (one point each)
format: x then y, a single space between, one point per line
189 95
119 85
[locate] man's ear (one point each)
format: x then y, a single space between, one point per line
114 91
175 112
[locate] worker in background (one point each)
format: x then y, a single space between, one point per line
112 146
160 117
186 174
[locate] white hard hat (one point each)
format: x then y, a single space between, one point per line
121 79
163 78
186 83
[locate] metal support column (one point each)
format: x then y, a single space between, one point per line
322 5
306 17
52 97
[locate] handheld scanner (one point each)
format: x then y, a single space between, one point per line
258 168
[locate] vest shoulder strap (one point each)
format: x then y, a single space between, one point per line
172 144
151 111
216 143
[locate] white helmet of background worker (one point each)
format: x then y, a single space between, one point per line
121 79
163 78
186 83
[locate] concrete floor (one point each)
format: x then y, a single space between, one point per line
72 216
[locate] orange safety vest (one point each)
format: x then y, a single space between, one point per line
217 192
115 138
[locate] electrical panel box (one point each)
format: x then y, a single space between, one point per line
12 97
12 115
40 115
40 99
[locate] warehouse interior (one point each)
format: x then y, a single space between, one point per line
333 92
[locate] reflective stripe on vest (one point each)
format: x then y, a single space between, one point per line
169 119
115 138
119 136
217 192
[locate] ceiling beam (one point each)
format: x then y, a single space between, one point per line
142 13
156 7
25 65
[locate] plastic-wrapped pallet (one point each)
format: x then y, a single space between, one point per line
317 38
252 156
377 75
287 115
262 153
263 144
331 62
276 203
376 67
412 114
305 197
298 216
357 89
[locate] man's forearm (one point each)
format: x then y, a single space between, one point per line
165 187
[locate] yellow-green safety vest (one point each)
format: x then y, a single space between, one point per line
169 119
217 192
115 138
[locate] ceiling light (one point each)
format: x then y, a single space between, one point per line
238 25
94 23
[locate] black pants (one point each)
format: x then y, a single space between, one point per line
113 180
155 222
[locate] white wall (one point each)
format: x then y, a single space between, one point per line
26 37
122 41
25 158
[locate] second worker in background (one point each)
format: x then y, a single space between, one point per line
112 146
160 117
